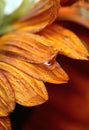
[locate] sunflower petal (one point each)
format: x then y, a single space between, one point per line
65 41
7 96
42 72
26 47
28 91
5 123
46 11
6 92
3 108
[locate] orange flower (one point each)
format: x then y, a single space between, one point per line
28 57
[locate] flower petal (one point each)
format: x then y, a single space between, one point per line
26 47
28 91
65 41
3 108
42 72
7 97
46 11
5 123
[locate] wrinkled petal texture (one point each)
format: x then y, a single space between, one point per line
42 14
27 47
5 123
7 97
26 62
65 42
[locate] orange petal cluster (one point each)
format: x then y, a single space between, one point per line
28 57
